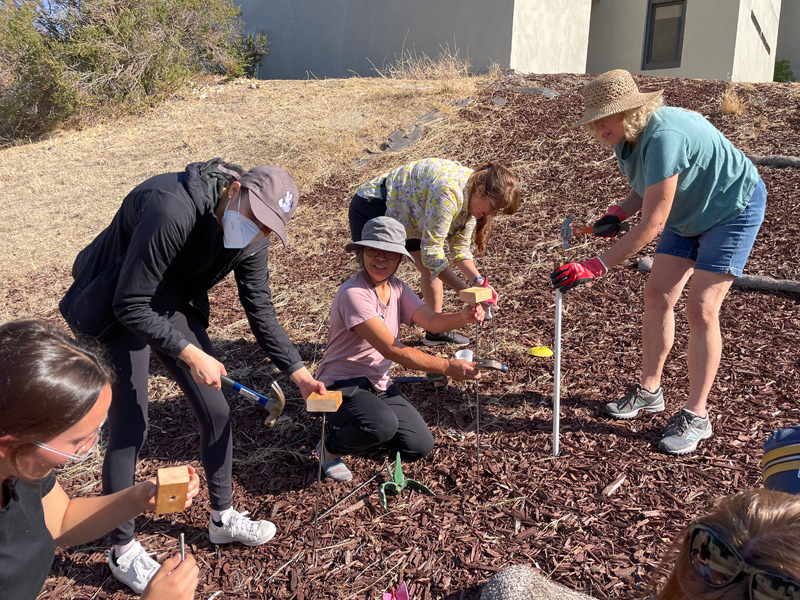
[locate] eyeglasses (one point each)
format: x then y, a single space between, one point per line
374 253
85 447
715 562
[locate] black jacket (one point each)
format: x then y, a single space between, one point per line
162 252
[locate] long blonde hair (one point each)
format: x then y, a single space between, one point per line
763 526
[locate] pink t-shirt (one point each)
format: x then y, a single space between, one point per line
348 355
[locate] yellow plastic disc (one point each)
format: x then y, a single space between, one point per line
540 351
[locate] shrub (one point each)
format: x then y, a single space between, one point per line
783 71
82 57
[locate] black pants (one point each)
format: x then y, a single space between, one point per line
127 417
369 418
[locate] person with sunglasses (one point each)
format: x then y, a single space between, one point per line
141 288
365 320
54 396
439 201
747 548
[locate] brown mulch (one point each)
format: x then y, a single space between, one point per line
524 506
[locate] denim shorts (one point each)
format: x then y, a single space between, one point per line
725 247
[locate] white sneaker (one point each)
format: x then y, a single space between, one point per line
135 568
236 527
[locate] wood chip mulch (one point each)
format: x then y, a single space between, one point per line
598 517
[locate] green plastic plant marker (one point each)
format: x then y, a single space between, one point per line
398 483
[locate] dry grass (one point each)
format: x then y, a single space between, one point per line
731 103
64 190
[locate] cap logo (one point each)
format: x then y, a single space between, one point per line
286 201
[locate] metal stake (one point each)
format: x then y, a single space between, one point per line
183 547
319 481
492 316
477 406
557 374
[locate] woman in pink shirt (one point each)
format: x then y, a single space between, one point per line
362 344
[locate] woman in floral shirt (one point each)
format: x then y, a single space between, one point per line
439 200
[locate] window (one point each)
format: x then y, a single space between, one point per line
663 38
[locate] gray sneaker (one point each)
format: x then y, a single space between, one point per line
446 338
684 431
637 399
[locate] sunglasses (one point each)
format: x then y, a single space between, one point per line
717 564
386 254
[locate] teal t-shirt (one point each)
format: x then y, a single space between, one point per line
715 179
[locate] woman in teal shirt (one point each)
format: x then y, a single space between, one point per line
688 180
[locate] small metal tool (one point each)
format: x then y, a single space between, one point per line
183 547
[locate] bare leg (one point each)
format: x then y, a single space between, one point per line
663 289
432 289
706 293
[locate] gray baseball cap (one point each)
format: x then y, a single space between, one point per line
273 196
382 233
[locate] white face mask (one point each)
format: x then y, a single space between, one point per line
237 230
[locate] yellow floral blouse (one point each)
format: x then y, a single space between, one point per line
430 198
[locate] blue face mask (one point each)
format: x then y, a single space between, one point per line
237 230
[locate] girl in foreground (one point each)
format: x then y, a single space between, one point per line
54 396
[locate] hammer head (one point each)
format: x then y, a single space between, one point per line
566 231
275 405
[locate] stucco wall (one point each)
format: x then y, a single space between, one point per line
335 38
753 62
717 43
789 35
550 36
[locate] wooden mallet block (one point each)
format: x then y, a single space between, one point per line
330 402
474 295
172 485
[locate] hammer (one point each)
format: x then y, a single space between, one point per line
567 231
273 405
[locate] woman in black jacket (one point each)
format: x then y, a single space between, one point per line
142 285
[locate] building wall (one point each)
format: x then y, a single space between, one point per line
719 39
788 36
550 36
337 38
753 62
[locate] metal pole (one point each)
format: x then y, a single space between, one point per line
557 375
477 407
319 480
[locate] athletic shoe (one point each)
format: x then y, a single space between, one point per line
683 433
135 568
334 468
446 338
636 400
236 527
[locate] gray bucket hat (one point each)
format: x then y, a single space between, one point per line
273 196
382 233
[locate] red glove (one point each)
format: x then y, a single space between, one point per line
568 276
608 225
493 300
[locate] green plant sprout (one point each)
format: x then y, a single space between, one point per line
398 483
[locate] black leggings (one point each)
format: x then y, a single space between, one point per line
369 418
127 417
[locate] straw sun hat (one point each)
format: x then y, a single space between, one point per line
611 93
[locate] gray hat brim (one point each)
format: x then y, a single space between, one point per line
385 246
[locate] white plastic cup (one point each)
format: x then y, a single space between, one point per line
464 355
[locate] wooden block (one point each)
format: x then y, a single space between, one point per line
330 402
474 295
172 486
